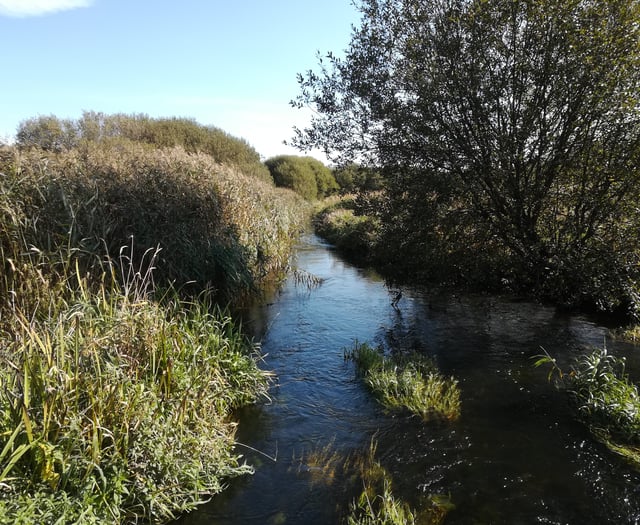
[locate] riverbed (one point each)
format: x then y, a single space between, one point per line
516 455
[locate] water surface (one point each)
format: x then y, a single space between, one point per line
516 455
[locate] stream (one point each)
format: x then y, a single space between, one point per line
516 455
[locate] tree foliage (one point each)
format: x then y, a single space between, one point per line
507 131
305 175
47 132
353 177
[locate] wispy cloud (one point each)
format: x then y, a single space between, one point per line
24 8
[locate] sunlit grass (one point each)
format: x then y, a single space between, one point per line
410 382
608 401
114 407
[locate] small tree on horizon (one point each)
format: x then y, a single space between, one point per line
306 176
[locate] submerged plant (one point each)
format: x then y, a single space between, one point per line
303 278
377 504
362 475
323 465
410 381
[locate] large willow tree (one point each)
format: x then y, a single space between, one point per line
509 134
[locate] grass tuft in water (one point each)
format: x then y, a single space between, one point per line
410 382
306 279
628 334
607 401
377 504
323 466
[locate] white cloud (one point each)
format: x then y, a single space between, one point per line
23 8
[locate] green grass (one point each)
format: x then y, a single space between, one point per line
114 407
606 400
410 382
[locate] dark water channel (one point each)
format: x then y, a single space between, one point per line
516 455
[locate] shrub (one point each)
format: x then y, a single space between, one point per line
353 178
53 134
351 226
304 175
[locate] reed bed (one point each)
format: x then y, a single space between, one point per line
119 369
218 228
411 382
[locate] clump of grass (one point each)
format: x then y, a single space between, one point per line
116 408
411 382
306 279
324 465
605 398
629 334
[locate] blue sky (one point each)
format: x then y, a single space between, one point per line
227 63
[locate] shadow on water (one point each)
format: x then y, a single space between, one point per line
516 456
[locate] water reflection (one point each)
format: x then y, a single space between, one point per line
515 456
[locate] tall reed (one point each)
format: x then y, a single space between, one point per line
218 228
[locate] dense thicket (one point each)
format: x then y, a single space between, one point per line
55 134
216 227
508 133
305 175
